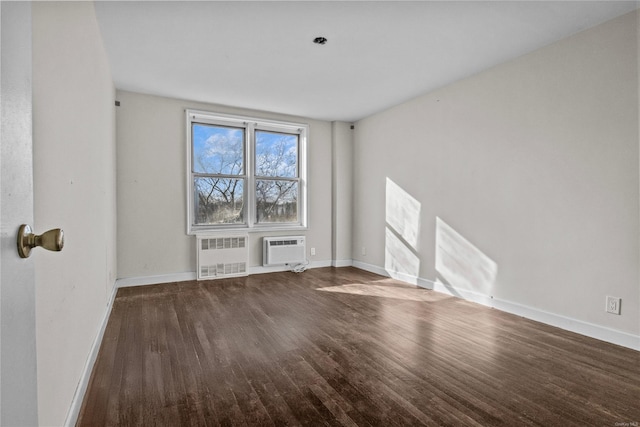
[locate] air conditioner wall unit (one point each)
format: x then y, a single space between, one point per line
224 256
283 250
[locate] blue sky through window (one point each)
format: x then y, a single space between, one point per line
276 154
218 149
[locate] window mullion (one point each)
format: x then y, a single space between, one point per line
215 175
250 191
276 178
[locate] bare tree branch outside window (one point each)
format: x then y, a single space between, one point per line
277 173
218 156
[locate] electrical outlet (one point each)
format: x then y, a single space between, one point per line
364 250
313 251
613 305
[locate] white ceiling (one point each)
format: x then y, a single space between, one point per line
260 55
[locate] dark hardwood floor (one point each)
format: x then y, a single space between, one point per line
345 347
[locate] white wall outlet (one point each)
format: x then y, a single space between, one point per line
313 251
613 305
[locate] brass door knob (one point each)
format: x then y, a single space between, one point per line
52 240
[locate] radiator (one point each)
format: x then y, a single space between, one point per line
283 250
220 257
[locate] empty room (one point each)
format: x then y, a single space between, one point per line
349 213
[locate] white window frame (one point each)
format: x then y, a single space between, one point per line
250 124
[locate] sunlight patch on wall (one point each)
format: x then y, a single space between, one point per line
401 233
403 213
398 257
460 263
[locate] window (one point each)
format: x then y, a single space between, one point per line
245 173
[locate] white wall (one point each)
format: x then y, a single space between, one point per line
534 162
151 162
638 88
74 183
342 166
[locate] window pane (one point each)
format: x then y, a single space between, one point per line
277 201
218 149
219 200
276 154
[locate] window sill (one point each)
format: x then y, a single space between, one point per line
246 230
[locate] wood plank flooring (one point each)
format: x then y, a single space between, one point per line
344 347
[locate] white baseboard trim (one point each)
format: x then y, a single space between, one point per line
370 268
191 275
153 280
592 330
85 376
602 333
259 269
320 264
342 263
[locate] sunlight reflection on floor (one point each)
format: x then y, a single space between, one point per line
387 289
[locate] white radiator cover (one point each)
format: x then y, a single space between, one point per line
222 256
283 250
